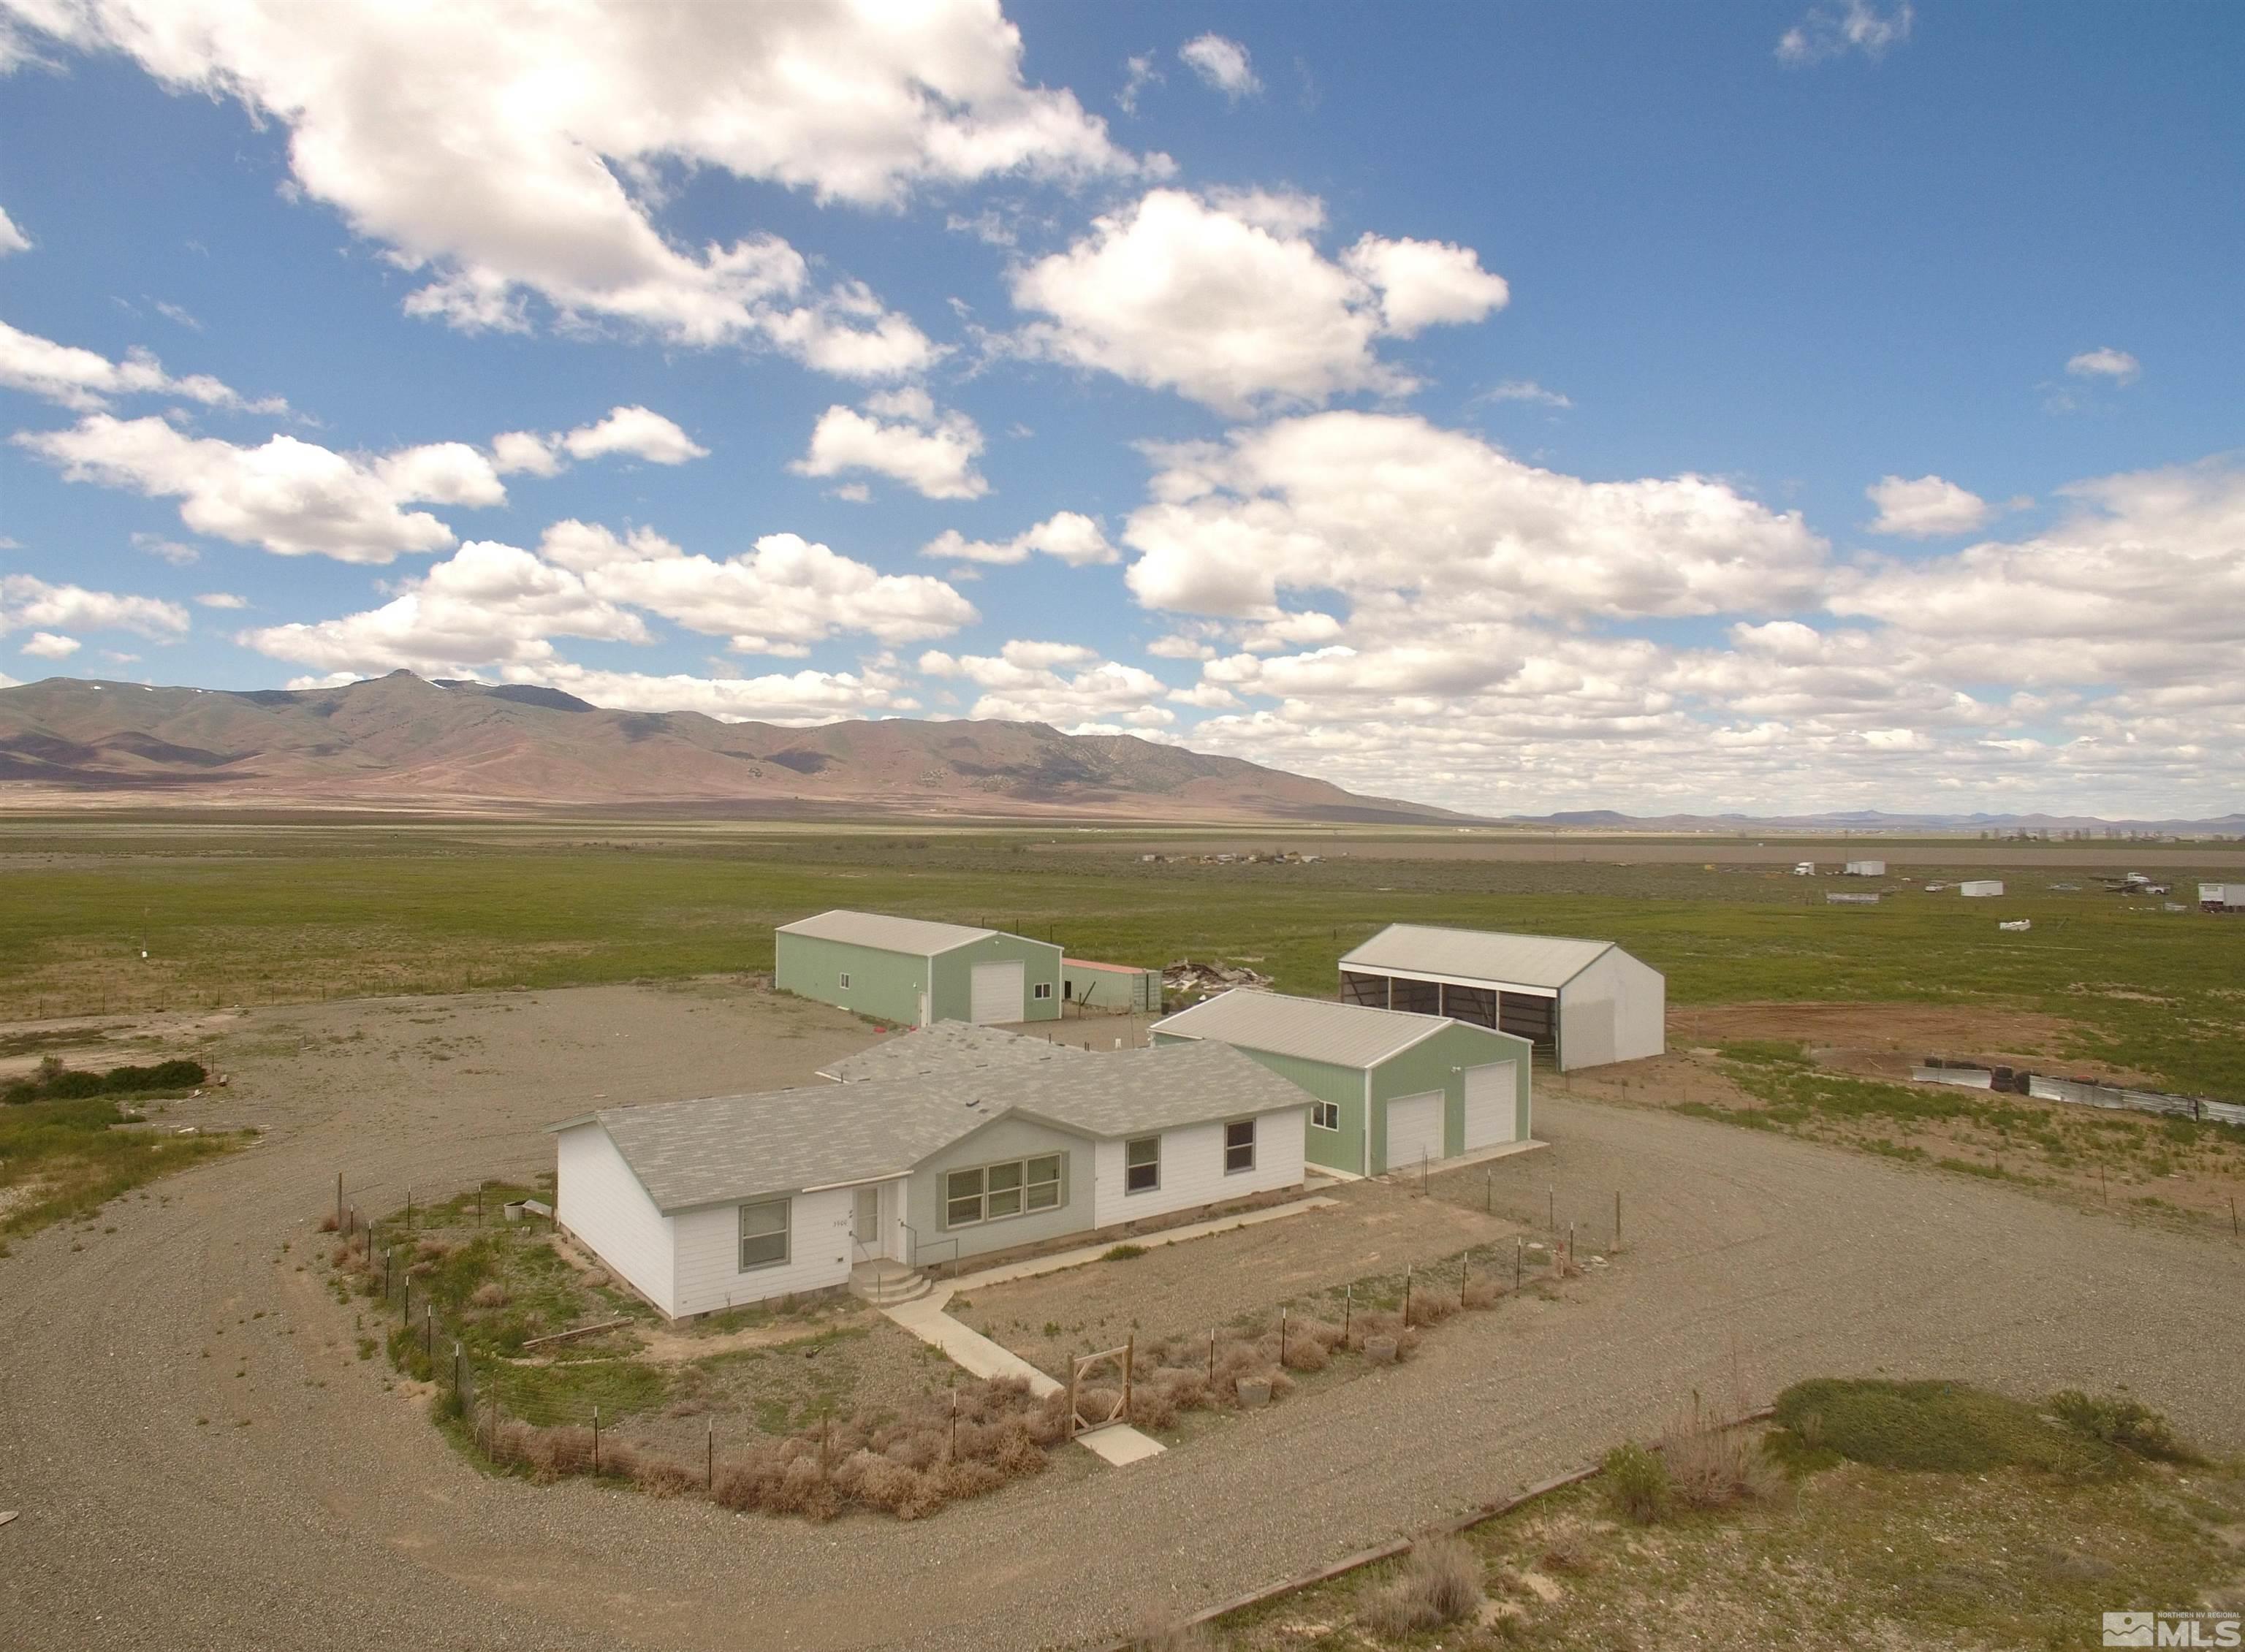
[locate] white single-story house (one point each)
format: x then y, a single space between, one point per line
945 1151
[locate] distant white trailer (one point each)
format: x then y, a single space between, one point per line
1980 888
1804 868
2222 898
1865 868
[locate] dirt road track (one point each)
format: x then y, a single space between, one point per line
337 1518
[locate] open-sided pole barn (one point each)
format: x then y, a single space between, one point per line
1581 1003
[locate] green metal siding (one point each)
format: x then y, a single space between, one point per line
1437 1063
886 985
1341 1149
994 1143
1139 990
953 994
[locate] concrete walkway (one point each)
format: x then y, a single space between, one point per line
971 1351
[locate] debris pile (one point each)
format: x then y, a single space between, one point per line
1187 978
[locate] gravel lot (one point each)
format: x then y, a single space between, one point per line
313 1510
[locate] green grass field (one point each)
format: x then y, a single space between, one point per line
275 913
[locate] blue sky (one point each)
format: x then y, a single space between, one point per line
1518 408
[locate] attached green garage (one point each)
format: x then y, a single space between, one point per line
1391 1089
914 973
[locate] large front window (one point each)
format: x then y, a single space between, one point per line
763 1234
993 1192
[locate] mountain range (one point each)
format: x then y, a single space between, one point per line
399 742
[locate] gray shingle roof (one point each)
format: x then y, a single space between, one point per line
721 1147
1349 1035
947 1046
1477 955
878 930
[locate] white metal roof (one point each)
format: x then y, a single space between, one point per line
1477 955
886 934
1349 1035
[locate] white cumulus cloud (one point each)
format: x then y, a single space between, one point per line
1222 64
46 645
1228 300
1853 26
1925 507
1055 682
781 596
1069 535
84 380
292 497
26 600
487 605
638 431
12 239
2106 363
934 454
518 151
1374 503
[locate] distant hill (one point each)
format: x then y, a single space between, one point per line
398 742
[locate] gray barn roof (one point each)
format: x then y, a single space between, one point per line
947 1046
883 933
706 1151
1478 955
1348 1035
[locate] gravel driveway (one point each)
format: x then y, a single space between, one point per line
337 1518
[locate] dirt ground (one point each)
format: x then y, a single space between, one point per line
1174 1289
2074 1152
553 1053
272 1494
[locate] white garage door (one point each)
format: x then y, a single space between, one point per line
1492 1104
1414 1127
997 993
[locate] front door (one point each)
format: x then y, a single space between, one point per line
866 1223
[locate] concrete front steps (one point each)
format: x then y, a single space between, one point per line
885 1284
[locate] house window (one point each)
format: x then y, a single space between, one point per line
1238 1146
845 980
763 1234
1326 1115
1041 990
993 1192
1142 1165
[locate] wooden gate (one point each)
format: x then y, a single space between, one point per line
1077 1422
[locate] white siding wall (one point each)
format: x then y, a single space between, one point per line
598 1198
709 1249
1192 1169
1614 1010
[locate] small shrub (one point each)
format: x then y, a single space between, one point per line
1124 1253
1439 1582
1711 1467
1306 1353
490 1294
1636 1484
1431 1305
1568 1548
659 1477
2127 1424
1481 1293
